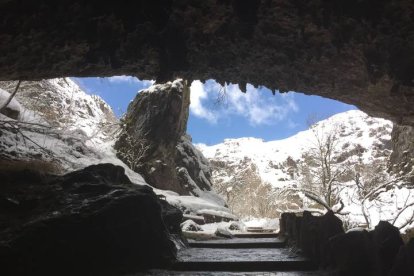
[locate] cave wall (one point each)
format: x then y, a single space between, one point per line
357 51
402 156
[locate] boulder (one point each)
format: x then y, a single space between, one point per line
92 221
223 233
190 225
315 232
286 224
388 241
353 253
368 253
172 217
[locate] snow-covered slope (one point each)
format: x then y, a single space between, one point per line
357 133
65 106
254 171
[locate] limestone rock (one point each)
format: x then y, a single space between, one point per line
93 221
402 156
153 141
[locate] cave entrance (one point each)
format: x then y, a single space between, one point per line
265 156
265 149
252 158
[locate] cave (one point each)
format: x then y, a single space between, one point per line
359 52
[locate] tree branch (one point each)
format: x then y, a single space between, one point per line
10 97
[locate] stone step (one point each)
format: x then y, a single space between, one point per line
256 235
241 259
246 266
230 273
260 230
240 243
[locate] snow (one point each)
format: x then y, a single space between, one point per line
83 133
13 105
264 223
190 225
263 154
212 212
356 131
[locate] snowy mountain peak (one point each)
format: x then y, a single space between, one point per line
359 139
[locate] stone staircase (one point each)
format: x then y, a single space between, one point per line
258 253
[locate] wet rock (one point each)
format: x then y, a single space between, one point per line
172 217
92 221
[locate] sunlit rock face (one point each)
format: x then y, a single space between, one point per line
154 143
359 52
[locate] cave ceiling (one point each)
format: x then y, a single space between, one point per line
360 52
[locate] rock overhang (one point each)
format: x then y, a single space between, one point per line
358 52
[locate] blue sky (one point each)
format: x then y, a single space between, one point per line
218 112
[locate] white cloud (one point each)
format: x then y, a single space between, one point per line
257 108
198 94
130 79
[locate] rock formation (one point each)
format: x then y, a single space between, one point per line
356 51
88 222
153 140
402 156
356 252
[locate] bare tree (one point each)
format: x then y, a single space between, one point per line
371 181
320 172
134 152
6 103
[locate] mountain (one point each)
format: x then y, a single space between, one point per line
274 161
253 174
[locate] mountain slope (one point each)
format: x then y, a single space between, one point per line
258 177
272 161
